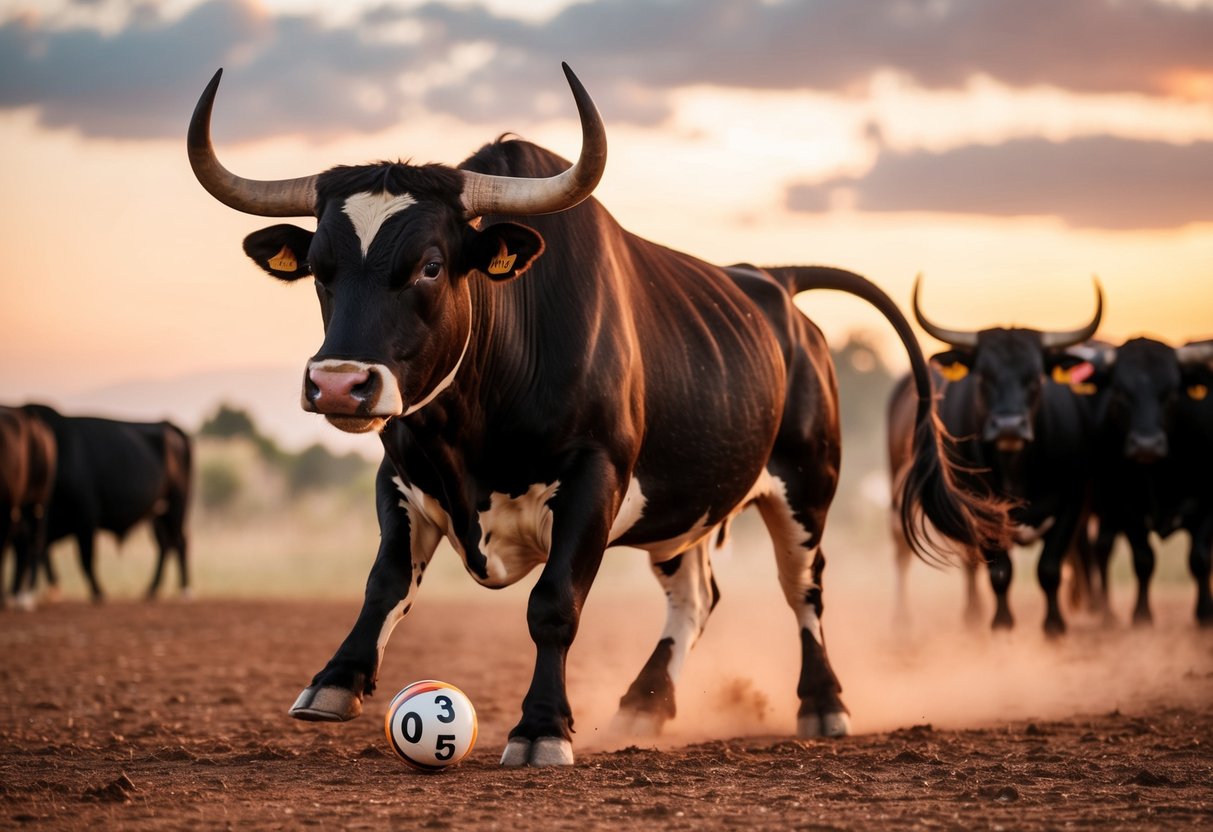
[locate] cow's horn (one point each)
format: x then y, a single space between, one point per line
485 194
1059 340
955 337
269 198
1195 354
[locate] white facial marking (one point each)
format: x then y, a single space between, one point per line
630 511
368 212
516 533
445 383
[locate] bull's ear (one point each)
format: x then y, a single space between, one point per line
953 364
281 250
1077 371
504 250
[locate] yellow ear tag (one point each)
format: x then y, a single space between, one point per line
1084 388
1061 375
503 262
1197 392
284 261
954 372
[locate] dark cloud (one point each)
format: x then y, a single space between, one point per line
296 72
1097 182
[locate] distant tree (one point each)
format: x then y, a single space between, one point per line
218 484
316 467
234 423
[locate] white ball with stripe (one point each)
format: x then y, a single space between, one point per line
431 725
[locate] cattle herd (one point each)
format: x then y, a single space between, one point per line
72 476
546 385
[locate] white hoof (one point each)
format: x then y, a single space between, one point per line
629 723
545 751
837 724
25 601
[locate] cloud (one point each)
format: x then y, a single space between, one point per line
1095 182
297 72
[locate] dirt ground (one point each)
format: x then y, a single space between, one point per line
173 716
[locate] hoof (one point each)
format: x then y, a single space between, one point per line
631 723
1055 627
545 751
25 602
835 724
327 704
1003 621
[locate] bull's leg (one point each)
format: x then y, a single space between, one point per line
406 543
1200 562
581 518
998 562
1048 570
973 613
1101 554
691 595
163 544
169 529
1143 568
796 536
24 574
85 546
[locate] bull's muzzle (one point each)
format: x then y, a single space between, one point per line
354 396
1146 448
1008 431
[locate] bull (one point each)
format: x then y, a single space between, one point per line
27 477
1154 441
112 475
1021 433
617 393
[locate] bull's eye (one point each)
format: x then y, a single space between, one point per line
431 269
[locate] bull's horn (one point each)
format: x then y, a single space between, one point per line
1195 354
268 198
955 337
485 194
1059 340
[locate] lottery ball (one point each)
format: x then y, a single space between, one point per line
431 725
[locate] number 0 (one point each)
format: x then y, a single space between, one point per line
410 726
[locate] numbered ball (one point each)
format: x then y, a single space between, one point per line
431 725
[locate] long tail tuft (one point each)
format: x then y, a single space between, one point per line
937 499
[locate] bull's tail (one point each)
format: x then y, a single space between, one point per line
933 489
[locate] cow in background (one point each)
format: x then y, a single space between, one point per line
112 475
27 477
1020 432
544 391
1154 454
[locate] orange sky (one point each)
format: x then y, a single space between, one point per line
118 267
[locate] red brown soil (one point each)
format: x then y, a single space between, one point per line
173 716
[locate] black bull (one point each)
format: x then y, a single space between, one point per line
112 475
1023 435
1153 465
618 394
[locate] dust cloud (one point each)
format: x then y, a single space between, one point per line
740 680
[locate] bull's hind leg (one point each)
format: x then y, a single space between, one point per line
796 536
691 595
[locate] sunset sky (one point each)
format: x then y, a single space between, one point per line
1009 150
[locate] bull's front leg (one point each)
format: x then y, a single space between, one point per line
406 544
581 509
1048 570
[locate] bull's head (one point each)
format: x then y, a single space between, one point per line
1141 382
1009 367
393 247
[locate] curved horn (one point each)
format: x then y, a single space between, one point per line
1058 340
485 194
1195 353
955 337
271 198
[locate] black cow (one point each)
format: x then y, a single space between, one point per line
1153 458
27 477
113 475
618 394
1018 431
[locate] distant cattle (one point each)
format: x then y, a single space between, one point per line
112 475
1153 465
617 393
1020 433
27 476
